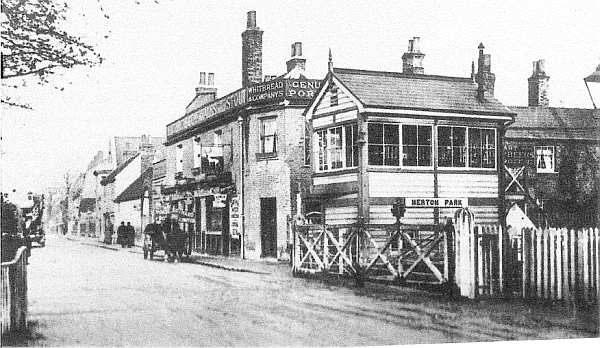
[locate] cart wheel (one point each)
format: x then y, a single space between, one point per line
145 253
151 255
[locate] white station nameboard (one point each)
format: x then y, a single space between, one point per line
440 202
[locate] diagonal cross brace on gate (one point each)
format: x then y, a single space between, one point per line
311 250
423 255
380 252
514 173
341 249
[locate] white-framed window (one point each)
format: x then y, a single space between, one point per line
416 145
197 153
384 144
466 147
336 148
268 135
452 146
545 159
179 158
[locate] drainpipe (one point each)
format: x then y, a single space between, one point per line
241 192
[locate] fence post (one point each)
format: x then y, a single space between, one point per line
296 257
464 221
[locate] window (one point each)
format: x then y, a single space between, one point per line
482 148
545 159
179 158
416 146
452 146
384 144
268 135
197 153
336 148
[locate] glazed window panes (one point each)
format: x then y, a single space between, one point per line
544 159
452 146
416 146
351 146
336 148
482 148
268 135
384 144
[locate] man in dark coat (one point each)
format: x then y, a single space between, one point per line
121 232
130 239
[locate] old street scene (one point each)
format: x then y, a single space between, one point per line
371 180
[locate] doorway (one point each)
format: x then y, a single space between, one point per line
268 227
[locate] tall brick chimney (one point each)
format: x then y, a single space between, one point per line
485 78
296 60
412 61
538 85
251 52
146 153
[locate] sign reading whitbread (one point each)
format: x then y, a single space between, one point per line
441 202
278 89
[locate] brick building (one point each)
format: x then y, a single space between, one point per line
235 165
552 158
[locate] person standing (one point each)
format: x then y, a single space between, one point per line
121 234
130 239
108 235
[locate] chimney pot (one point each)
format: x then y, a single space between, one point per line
251 20
416 45
211 79
298 50
202 78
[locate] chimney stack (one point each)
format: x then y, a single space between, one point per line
485 78
538 85
251 52
296 61
206 90
412 61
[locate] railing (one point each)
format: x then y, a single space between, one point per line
14 292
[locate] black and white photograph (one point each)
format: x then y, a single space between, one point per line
181 173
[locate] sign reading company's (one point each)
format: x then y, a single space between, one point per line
441 202
292 89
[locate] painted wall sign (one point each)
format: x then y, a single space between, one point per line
441 202
295 89
519 154
234 216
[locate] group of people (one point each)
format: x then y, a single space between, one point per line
125 235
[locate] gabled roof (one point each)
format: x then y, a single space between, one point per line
554 123
111 177
413 91
136 189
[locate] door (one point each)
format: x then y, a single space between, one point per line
268 227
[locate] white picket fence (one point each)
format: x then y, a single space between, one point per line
560 264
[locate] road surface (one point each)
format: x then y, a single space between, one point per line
85 295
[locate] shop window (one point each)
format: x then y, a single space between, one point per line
452 146
336 148
384 144
416 146
268 135
179 158
214 216
482 148
545 159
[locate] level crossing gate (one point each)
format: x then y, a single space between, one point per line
459 254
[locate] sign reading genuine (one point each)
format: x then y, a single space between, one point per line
441 202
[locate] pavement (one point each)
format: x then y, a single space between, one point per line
234 264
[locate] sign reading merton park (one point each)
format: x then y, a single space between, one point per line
268 91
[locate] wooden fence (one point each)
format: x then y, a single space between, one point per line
560 264
14 292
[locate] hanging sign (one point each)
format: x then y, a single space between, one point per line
234 216
440 202
219 201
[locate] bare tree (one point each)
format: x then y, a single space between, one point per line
34 46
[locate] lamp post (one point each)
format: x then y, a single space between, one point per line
241 191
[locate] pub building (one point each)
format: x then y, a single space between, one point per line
433 140
235 165
552 157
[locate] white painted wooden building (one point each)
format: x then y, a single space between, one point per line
434 140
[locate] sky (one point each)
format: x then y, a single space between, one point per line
154 51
